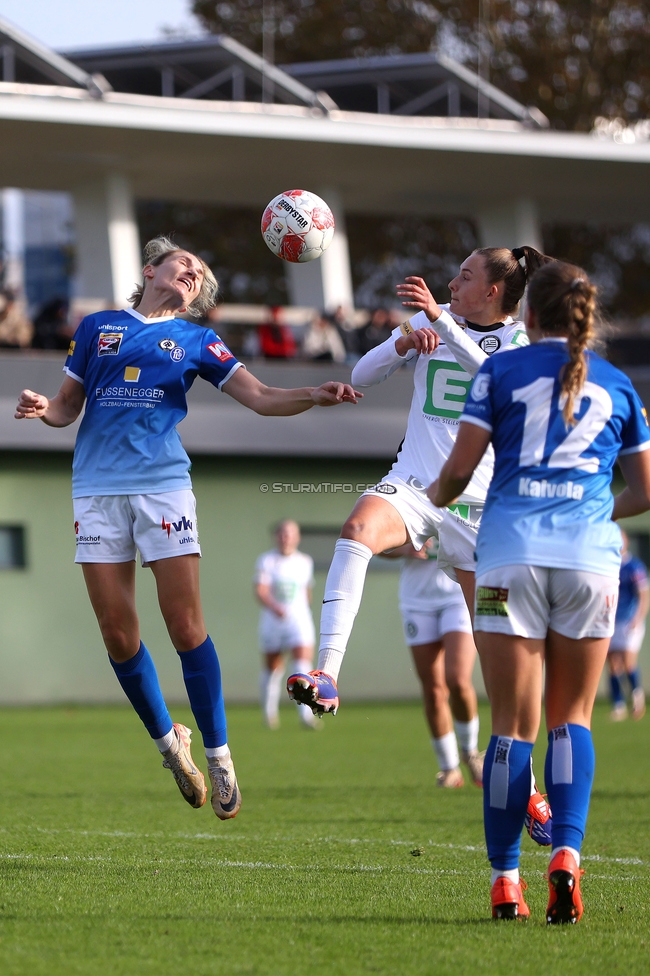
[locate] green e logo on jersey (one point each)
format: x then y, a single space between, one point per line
447 388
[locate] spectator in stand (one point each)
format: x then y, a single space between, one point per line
16 330
377 330
276 338
322 342
51 329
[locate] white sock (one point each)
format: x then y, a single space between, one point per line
166 741
446 750
467 733
513 875
270 688
533 783
571 850
217 753
341 600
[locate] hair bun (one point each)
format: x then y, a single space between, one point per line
519 253
575 284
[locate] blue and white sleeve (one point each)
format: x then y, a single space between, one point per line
479 406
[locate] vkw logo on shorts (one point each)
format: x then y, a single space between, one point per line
490 344
108 343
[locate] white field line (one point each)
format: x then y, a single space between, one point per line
264 866
470 848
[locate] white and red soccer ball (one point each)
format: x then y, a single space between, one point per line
297 226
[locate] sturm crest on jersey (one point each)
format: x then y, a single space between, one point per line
297 226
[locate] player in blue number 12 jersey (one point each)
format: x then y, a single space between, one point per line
131 491
548 555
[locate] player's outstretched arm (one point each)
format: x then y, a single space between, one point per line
60 411
471 444
272 401
635 498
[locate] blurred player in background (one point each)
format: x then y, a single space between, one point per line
438 630
548 560
131 491
629 631
284 578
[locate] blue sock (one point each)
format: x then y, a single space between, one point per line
202 676
140 684
506 790
569 774
634 677
616 689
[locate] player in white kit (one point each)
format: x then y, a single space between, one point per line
284 578
476 324
438 631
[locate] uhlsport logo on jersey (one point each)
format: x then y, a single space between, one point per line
108 343
221 351
183 525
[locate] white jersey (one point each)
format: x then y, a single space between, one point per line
441 386
425 588
289 577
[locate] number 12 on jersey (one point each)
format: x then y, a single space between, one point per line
537 398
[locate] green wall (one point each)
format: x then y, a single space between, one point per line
50 649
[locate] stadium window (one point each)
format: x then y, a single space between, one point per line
12 547
318 541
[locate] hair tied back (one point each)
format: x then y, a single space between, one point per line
519 253
575 284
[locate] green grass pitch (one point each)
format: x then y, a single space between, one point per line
105 870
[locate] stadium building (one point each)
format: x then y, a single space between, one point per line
208 121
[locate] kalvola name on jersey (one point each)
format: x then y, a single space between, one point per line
441 386
550 501
136 373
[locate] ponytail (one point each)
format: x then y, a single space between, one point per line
564 303
502 264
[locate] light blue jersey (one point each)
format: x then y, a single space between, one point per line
550 503
136 373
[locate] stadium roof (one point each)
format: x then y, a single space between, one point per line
217 67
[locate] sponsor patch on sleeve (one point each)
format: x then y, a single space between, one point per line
492 601
73 344
221 351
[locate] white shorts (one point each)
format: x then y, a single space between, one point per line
457 536
627 638
456 530
527 601
111 528
285 633
429 628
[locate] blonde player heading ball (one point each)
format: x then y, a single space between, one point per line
284 578
131 490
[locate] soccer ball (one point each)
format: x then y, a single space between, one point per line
297 226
